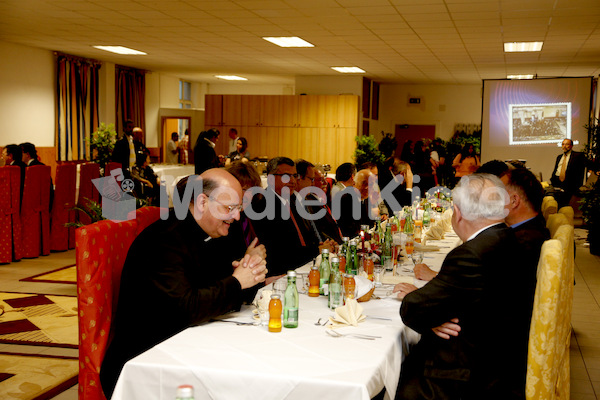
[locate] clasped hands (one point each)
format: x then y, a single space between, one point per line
252 268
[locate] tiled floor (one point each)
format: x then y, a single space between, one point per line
585 343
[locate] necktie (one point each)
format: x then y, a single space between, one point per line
296 225
248 231
131 152
563 169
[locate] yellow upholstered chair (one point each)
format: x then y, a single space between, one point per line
545 200
550 207
548 367
568 212
554 221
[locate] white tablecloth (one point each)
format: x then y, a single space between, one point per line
170 174
227 361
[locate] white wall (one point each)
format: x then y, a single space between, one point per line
245 88
152 107
441 105
27 106
329 85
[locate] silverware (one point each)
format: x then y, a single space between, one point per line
382 318
233 322
318 323
333 333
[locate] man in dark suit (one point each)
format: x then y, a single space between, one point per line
30 156
568 174
398 175
205 156
488 359
179 273
289 239
13 155
127 149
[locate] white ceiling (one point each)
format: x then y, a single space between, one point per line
394 41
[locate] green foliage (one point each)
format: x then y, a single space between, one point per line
388 145
592 148
92 210
103 140
367 151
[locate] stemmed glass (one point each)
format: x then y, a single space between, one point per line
417 257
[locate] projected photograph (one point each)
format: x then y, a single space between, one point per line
539 123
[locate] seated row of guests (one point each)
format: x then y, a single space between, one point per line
22 156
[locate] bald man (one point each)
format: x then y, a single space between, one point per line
179 273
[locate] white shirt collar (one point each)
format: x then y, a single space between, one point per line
210 143
481 230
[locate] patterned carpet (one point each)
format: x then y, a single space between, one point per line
37 319
66 274
35 377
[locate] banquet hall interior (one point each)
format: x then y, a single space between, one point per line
424 71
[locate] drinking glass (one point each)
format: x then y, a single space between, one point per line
378 271
302 283
417 257
279 286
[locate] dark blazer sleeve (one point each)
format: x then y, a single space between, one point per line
458 286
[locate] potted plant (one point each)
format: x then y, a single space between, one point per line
102 144
367 151
590 194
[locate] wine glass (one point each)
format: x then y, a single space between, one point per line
417 257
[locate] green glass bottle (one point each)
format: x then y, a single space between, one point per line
290 302
335 285
426 216
409 225
324 270
386 251
352 258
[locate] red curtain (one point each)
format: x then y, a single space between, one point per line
76 106
131 92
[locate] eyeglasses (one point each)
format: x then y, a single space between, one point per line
295 176
231 208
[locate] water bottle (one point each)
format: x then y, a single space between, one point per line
335 285
290 302
324 270
185 392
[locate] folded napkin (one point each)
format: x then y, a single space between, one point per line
422 247
363 285
396 279
347 315
435 232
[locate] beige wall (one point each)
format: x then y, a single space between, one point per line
248 88
27 106
441 105
329 85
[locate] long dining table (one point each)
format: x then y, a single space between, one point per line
224 360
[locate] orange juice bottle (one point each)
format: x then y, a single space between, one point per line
275 308
313 279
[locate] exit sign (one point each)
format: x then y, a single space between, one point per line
414 100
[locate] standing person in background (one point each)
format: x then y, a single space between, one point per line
172 149
241 152
466 162
205 156
423 167
13 155
30 156
138 136
407 153
184 146
344 176
126 149
233 137
568 174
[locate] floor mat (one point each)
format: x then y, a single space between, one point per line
37 319
35 377
66 274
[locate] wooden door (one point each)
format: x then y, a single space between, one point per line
308 144
262 141
327 111
348 111
346 144
327 149
251 110
213 110
232 105
289 111
288 142
414 133
270 106
308 109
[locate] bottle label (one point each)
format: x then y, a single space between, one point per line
292 315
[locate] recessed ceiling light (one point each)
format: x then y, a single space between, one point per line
292 41
231 77
522 46
121 50
349 70
519 76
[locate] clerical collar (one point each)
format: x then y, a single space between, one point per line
210 143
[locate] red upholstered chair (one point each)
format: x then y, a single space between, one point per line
35 213
62 207
15 198
87 190
146 216
100 254
9 198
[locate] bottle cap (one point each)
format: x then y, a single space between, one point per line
275 296
335 260
291 273
185 391
325 251
316 267
345 239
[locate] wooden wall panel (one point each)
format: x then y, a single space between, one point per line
288 143
308 144
327 151
289 111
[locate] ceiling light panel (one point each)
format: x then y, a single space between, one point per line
231 77
515 47
121 50
348 70
292 41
